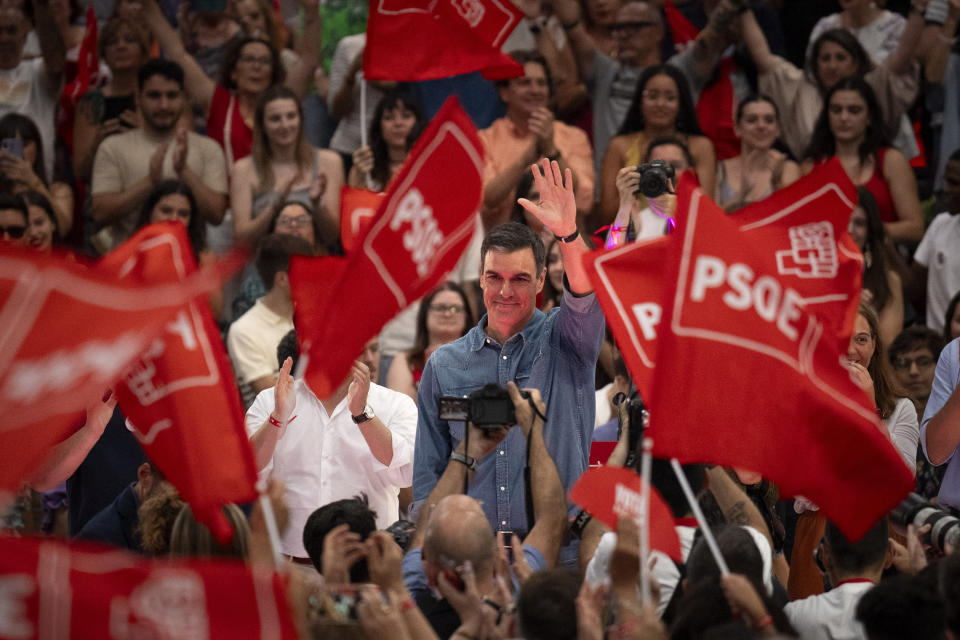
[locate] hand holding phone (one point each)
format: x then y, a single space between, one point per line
13 146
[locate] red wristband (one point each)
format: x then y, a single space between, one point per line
407 604
277 423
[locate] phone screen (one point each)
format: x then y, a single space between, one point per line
13 146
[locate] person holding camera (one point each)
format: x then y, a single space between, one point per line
453 536
555 352
667 157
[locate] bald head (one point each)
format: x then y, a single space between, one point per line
459 531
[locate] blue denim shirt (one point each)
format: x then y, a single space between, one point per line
556 353
945 380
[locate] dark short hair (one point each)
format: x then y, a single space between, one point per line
288 348
739 551
232 56
15 202
916 337
37 199
274 254
354 512
664 480
756 97
196 228
662 141
159 67
901 607
860 555
513 236
16 124
524 56
546 605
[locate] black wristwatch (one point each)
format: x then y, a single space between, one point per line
465 459
365 416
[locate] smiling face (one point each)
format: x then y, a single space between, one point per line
660 102
396 124
446 315
914 369
848 115
862 342
294 220
254 68
833 64
510 285
40 229
281 122
524 95
758 126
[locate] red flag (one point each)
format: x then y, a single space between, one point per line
411 40
88 71
608 493
51 590
420 230
67 333
181 399
629 285
682 30
357 210
760 309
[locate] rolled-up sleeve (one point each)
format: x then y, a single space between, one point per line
402 423
581 325
433 439
945 380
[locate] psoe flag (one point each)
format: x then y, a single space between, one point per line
419 232
759 311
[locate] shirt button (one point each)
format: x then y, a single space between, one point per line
503 488
503 453
504 357
503 522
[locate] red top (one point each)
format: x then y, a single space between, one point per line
225 123
877 186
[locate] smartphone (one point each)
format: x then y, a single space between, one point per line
13 146
936 11
451 574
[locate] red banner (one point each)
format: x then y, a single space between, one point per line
412 40
608 493
180 398
67 333
421 228
358 207
760 309
50 590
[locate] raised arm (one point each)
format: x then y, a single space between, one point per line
265 438
308 50
199 87
51 42
549 501
557 210
584 48
712 39
756 42
900 59
939 51
941 430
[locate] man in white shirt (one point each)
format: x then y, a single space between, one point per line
853 568
32 87
938 256
359 440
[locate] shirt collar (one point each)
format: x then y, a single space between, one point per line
477 337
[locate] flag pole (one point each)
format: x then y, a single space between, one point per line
645 464
704 527
273 532
363 120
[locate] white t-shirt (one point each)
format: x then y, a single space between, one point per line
28 90
939 252
879 38
830 615
252 344
323 458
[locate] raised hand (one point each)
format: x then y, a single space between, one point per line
180 152
156 162
284 398
359 387
342 549
557 208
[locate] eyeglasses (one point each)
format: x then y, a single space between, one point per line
629 27
453 309
294 222
904 364
14 231
653 95
265 61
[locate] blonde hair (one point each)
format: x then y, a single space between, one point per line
189 538
262 152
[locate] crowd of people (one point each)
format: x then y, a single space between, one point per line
406 513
